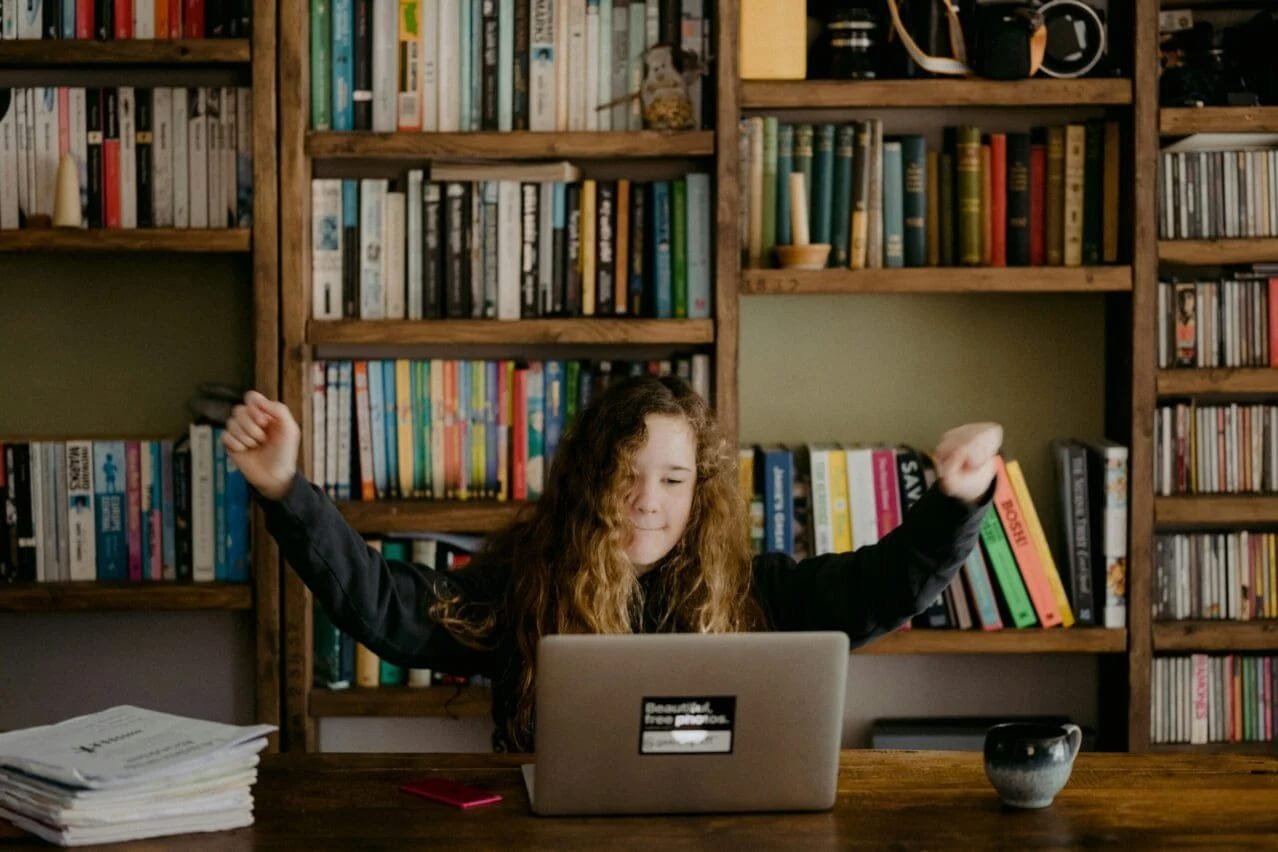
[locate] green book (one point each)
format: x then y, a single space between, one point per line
893 206
679 246
914 198
769 202
968 167
421 428
822 186
326 643
321 65
945 207
389 674
841 210
785 165
1093 191
1009 576
803 161
572 391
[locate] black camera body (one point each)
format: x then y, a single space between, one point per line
1003 35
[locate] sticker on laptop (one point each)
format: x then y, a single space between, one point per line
687 724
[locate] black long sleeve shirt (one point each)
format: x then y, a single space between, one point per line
383 603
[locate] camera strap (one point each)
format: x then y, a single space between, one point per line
956 67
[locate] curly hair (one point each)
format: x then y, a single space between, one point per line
573 575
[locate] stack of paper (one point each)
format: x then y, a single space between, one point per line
128 773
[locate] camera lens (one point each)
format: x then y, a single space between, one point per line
1075 38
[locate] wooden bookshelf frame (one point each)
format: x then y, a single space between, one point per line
130 52
102 597
939 279
83 240
1216 635
515 145
1218 380
889 94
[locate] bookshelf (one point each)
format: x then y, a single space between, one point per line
248 62
836 94
1156 514
1046 279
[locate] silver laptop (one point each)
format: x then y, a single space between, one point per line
688 722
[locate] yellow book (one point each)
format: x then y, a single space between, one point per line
478 431
840 517
588 230
438 470
745 483
1075 151
507 403
773 39
404 425
1271 596
1017 480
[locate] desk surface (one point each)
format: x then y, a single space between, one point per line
903 799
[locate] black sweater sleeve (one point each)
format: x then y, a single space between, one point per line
876 588
380 603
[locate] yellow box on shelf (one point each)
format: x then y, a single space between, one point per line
774 40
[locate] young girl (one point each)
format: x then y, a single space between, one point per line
640 528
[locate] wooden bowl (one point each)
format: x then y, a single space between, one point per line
809 256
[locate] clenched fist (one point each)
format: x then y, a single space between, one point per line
263 438
965 460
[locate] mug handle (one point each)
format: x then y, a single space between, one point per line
1075 735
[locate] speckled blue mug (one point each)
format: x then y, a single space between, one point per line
1028 763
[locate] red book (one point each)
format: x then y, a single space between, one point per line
133 508
193 18
111 159
1028 561
1038 204
998 199
123 19
175 17
84 19
519 436
64 120
1273 322
887 500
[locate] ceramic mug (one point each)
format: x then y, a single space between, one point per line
1028 763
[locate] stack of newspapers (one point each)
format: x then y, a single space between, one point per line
128 773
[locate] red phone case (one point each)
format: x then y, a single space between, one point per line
450 793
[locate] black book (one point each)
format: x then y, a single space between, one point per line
559 250
572 209
241 22
19 478
519 112
528 228
182 508
1072 478
605 247
93 154
1018 199
636 286
104 19
216 13
457 254
142 129
8 522
52 23
432 255
350 251
1093 191
362 94
488 71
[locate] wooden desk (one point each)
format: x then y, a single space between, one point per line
902 799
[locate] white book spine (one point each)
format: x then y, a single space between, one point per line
79 146
8 157
505 65
162 156
46 148
393 254
143 17
590 97
385 48
509 249
638 40
408 102
447 67
413 259
345 382
203 562
542 69
319 417
575 80
545 247
128 159
701 376
244 157
326 248
229 167
819 507
8 20
562 58
333 427
865 529
197 169
181 153
213 160
652 24
372 287
30 17
22 133
603 69
81 531
429 55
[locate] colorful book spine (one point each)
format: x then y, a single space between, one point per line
893 206
1015 525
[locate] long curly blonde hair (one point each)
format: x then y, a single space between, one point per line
570 573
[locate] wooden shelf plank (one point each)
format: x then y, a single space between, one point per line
1216 510
1215 635
1218 380
825 94
391 516
1037 279
517 145
1270 748
1217 252
210 51
1074 640
202 240
1175 121
87 597
402 701
532 331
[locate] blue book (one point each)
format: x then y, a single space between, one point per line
785 165
893 207
391 426
343 64
156 528
778 500
554 406
144 504
377 429
109 493
168 510
821 204
841 205
467 28
662 273
68 18
421 425
492 406
505 65
700 244
220 566
236 501
536 428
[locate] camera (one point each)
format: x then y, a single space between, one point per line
1076 36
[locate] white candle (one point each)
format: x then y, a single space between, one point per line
798 209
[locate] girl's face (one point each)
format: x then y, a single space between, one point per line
665 476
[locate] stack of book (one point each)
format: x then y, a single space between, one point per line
128 773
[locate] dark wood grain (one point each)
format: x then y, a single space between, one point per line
1216 510
1218 120
1218 252
886 800
1218 380
519 145
610 332
186 240
1037 279
446 701
835 94
78 52
388 516
1238 636
83 597
1073 640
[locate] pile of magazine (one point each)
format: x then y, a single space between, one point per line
128 773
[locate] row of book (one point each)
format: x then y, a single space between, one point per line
435 66
162 157
341 662
456 430
130 510
831 499
1215 449
1209 698
125 19
1222 323
1213 194
1049 197
1227 575
507 250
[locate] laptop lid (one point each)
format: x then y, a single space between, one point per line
690 722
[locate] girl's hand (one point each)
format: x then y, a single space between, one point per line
263 438
965 460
